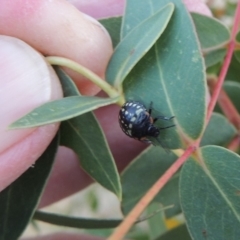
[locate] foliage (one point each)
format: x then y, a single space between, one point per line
165 55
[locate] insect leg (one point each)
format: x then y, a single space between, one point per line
150 108
163 118
166 127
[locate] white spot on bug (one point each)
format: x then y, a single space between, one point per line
139 111
134 104
130 132
126 112
126 104
130 125
122 121
130 104
123 110
133 119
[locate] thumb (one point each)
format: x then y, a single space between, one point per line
26 81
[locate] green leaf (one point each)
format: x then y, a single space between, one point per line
84 135
142 173
210 194
233 70
180 232
157 223
171 74
214 57
133 47
113 26
211 32
214 70
20 199
68 86
219 131
233 91
237 55
62 109
238 37
76 222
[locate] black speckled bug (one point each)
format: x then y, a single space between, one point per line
136 121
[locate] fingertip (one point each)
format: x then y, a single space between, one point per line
57 28
27 82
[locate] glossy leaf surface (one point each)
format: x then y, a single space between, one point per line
84 135
20 199
210 194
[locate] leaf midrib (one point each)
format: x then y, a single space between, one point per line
93 154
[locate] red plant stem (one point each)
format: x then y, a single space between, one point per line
124 227
229 109
234 144
226 105
226 64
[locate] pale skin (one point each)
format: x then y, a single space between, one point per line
27 81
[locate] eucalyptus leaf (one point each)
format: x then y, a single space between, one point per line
180 232
214 57
233 70
209 194
171 74
157 223
133 47
75 222
113 26
211 32
84 135
233 91
237 55
142 173
60 110
238 37
219 131
19 200
214 70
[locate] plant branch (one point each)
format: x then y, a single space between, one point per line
234 144
124 227
229 109
226 64
226 105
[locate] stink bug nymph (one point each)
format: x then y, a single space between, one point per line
136 121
